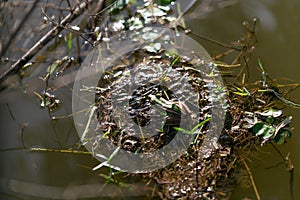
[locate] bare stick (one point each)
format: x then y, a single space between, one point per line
251 179
43 41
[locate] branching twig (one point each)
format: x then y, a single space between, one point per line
43 41
66 27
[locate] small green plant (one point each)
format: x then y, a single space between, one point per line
194 129
111 178
270 126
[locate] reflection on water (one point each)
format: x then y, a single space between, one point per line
71 191
54 175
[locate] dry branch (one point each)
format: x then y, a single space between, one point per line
43 41
16 31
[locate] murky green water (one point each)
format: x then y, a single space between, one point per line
38 175
278 42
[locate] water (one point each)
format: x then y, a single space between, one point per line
278 41
36 175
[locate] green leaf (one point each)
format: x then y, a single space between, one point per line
260 64
257 127
51 69
263 74
54 66
174 61
193 129
200 124
242 92
182 130
26 66
282 135
270 120
239 89
70 43
263 130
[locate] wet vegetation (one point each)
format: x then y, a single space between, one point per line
253 111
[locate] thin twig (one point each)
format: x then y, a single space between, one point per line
22 126
290 167
60 151
251 179
43 41
93 110
16 31
214 41
181 14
